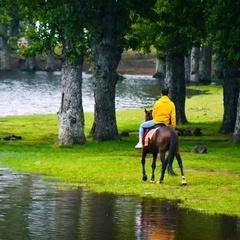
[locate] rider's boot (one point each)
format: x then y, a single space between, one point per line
140 143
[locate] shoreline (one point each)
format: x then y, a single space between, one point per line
131 63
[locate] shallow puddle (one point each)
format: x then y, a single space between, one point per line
32 207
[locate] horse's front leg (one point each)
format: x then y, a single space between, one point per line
164 166
154 166
179 159
143 161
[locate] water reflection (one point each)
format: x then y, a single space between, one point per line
34 208
40 92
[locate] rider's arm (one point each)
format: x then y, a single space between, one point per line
173 117
154 110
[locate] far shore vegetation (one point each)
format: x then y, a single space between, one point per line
212 177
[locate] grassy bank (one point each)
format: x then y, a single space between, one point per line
213 178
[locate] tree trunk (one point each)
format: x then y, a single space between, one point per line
219 68
106 57
160 72
206 66
230 99
70 115
49 61
104 87
236 133
14 26
187 65
31 64
194 76
175 81
5 49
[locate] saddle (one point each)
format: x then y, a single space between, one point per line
149 133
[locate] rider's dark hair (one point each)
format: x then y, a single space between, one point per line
165 92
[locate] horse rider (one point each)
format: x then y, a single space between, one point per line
164 113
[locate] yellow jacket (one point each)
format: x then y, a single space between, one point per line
164 112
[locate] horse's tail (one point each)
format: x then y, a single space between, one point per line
173 144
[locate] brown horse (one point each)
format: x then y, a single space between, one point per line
164 139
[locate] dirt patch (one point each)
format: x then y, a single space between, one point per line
227 173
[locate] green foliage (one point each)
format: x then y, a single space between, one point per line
70 23
162 24
49 24
223 27
176 26
4 19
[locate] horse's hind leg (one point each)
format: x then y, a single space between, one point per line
153 166
164 166
180 164
143 161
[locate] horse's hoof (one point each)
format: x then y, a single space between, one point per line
184 182
152 181
144 178
160 182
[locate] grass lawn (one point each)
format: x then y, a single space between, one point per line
213 178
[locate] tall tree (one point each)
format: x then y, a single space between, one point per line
187 65
9 28
61 23
205 70
224 32
236 132
108 42
176 27
160 71
107 47
49 60
175 81
230 99
195 58
5 49
70 115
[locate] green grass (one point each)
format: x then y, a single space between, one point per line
213 178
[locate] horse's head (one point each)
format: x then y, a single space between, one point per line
148 115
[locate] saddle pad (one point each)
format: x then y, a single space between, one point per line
148 136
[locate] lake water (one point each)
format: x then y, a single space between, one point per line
35 208
40 92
